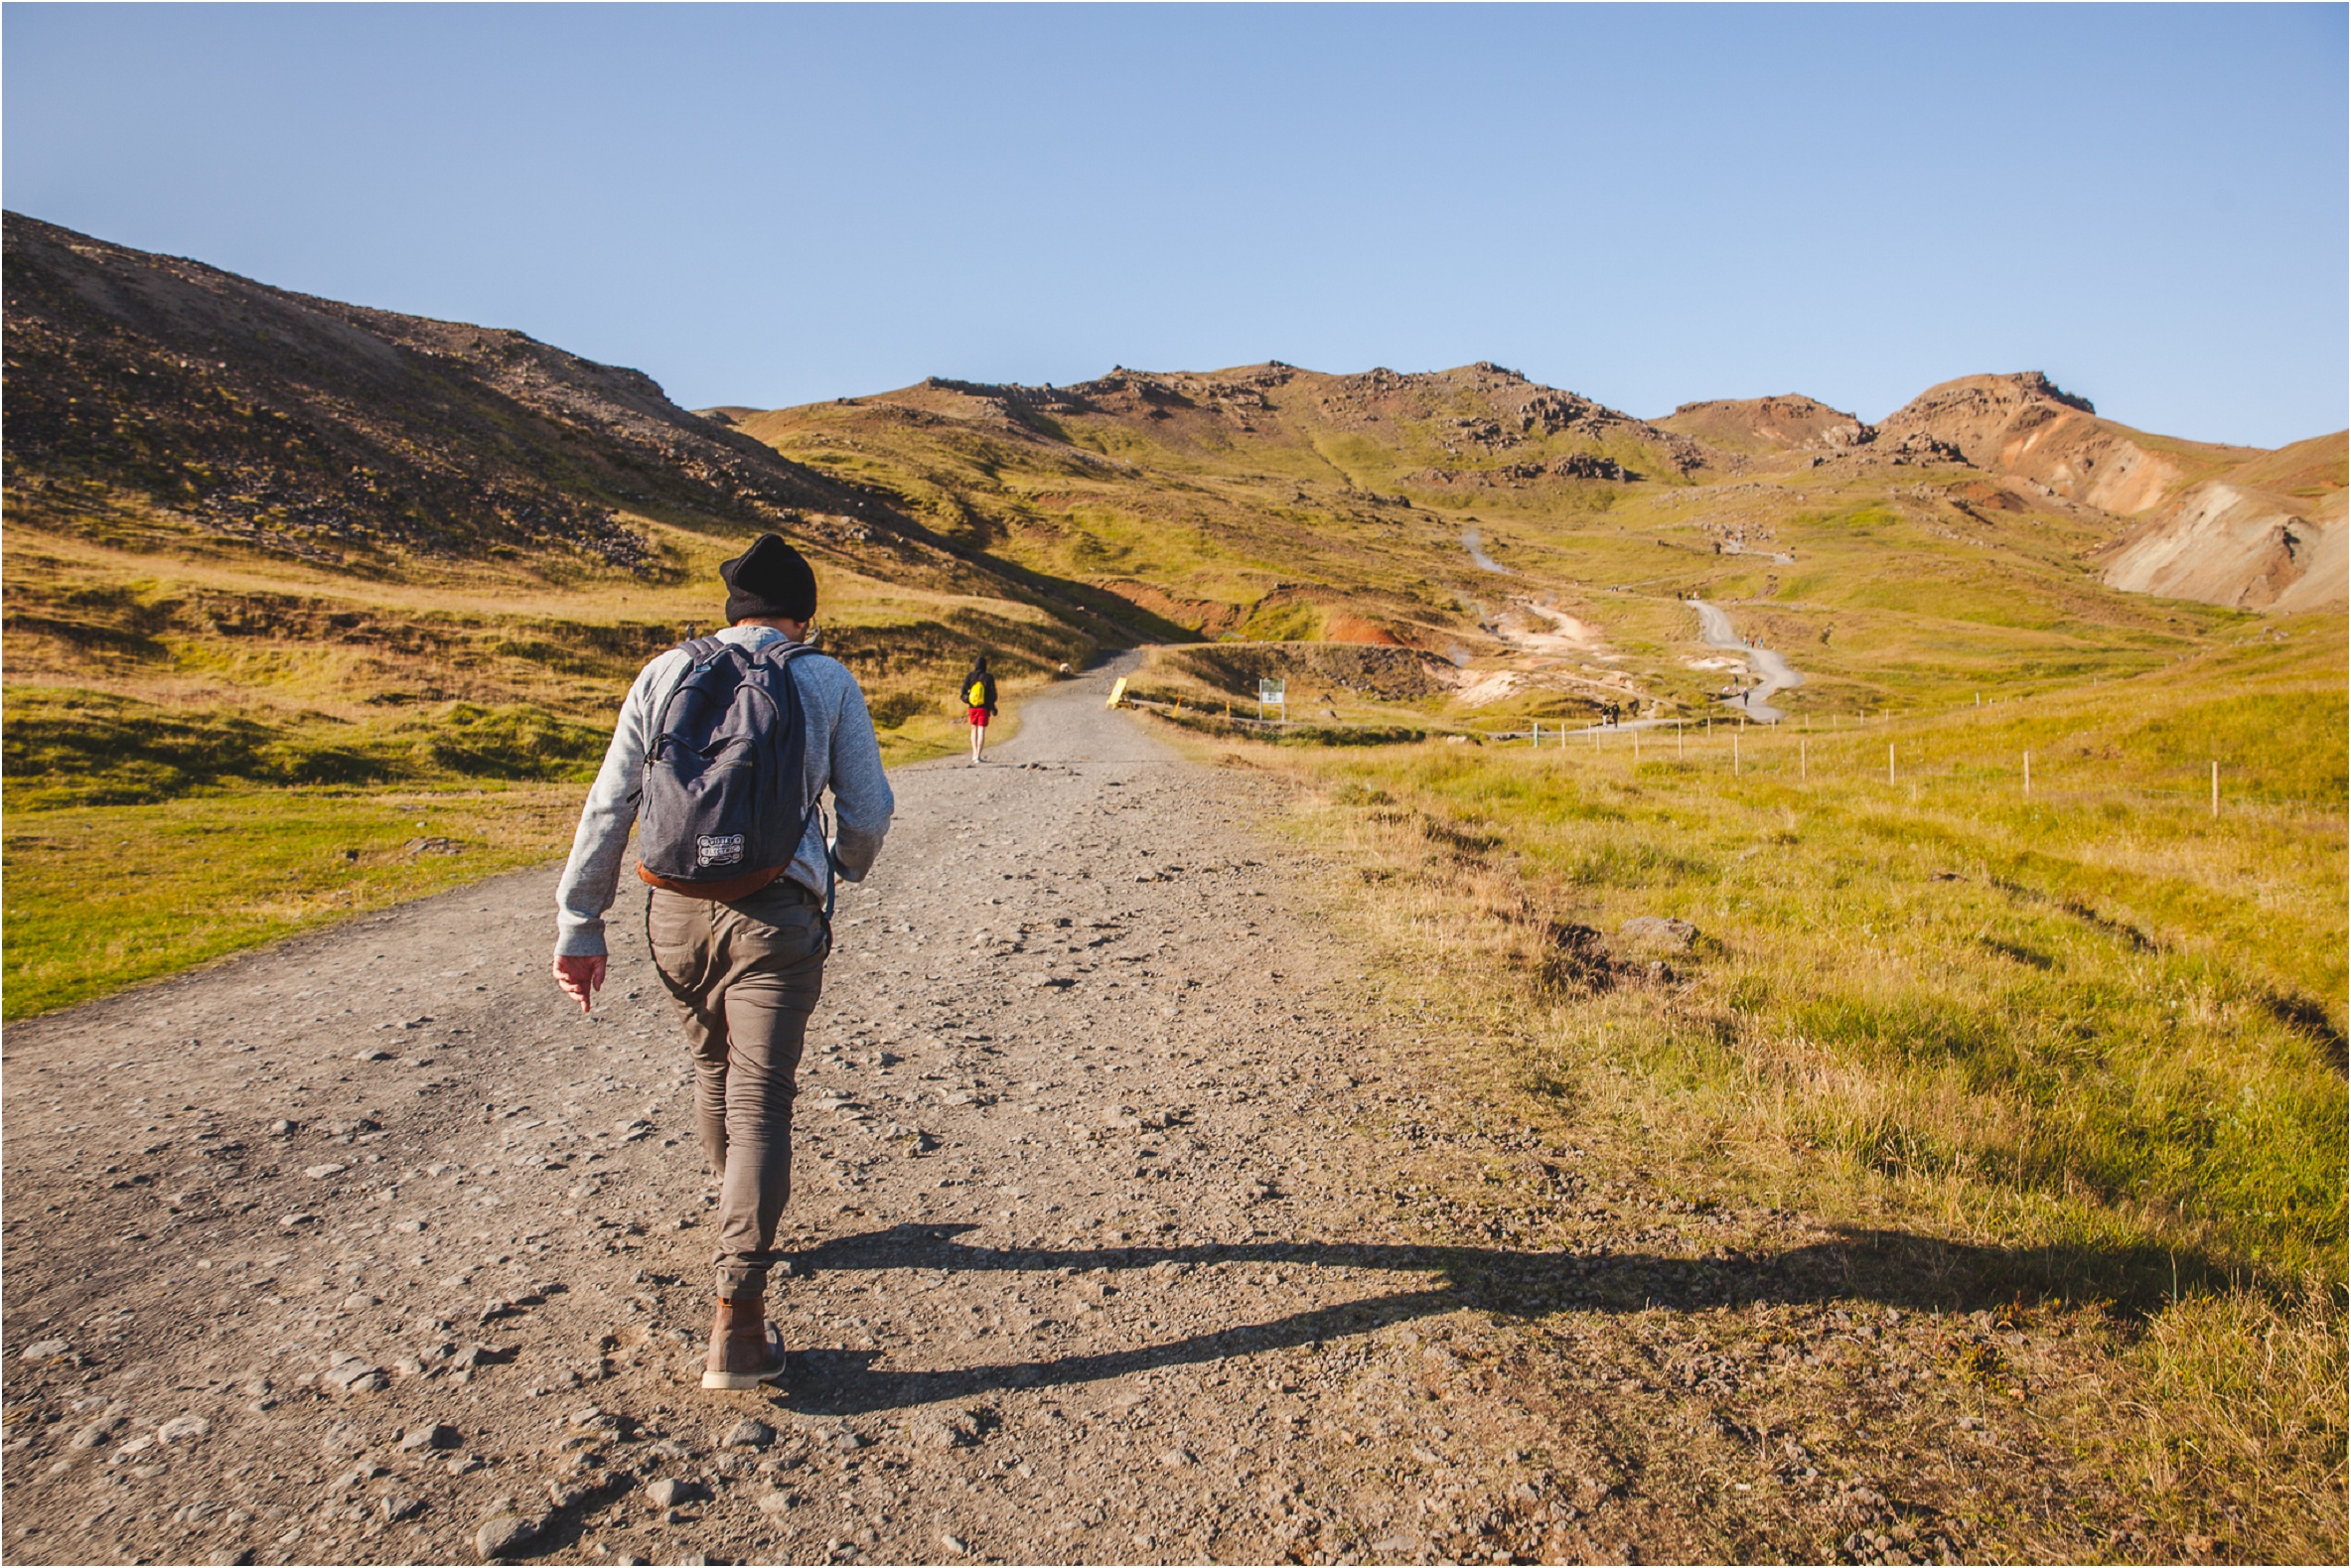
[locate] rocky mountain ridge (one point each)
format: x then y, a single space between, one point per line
347 435
1477 425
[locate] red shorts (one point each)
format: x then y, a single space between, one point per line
980 717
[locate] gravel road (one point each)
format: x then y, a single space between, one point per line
1119 1236
364 1248
1772 673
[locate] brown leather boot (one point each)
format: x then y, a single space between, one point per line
745 1351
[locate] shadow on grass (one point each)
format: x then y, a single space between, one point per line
1876 1267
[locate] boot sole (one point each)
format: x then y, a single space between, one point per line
778 1361
740 1379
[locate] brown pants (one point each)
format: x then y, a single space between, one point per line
746 975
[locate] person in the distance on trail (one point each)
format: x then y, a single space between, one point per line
979 697
738 915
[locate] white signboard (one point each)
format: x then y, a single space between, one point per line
1270 693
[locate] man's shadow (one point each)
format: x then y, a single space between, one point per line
1882 1268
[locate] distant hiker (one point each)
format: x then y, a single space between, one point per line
723 753
980 698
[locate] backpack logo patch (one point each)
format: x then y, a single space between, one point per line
718 849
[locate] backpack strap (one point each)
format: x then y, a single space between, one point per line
781 657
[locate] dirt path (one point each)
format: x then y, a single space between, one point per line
1772 673
1117 1240
1062 1210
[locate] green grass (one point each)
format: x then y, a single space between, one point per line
88 748
106 896
195 733
2099 1032
2102 1004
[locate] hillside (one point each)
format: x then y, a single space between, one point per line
1768 425
2267 533
256 541
340 434
1525 551
258 536
2227 526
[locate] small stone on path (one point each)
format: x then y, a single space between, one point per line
503 1536
748 1433
355 1376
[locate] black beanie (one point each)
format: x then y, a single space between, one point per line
769 579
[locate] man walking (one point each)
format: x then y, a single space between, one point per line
979 695
739 920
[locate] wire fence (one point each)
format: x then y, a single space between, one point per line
1825 756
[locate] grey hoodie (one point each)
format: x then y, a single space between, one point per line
842 754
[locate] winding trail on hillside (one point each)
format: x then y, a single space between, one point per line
1773 675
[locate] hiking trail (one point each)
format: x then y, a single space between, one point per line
1772 673
1110 1228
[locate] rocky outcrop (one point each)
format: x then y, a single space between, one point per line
2025 425
1382 672
1763 425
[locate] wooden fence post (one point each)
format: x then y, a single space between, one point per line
1889 761
2216 789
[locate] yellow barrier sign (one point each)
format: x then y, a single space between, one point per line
1118 695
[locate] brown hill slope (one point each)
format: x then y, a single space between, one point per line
1436 431
255 538
2227 525
330 430
2266 534
2024 425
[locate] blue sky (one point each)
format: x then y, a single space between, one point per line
771 204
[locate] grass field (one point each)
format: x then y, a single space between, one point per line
196 733
2099 1030
102 897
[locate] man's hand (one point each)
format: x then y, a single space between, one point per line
581 979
